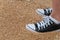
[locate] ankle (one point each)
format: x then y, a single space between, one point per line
55 15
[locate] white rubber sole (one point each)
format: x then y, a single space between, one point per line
40 13
28 28
58 30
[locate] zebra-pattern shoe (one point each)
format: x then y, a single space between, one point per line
47 25
44 12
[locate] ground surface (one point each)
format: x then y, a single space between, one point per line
15 14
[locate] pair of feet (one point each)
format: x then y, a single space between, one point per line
48 23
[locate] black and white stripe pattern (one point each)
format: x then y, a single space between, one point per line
47 25
46 11
40 26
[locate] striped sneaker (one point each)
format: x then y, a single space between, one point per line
47 25
44 12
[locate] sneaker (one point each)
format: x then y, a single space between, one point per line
44 12
47 25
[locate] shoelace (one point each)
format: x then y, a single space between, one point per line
45 23
47 11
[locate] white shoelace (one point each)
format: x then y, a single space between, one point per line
44 23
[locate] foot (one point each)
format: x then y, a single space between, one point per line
44 12
47 25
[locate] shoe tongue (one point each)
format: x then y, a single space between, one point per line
57 22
